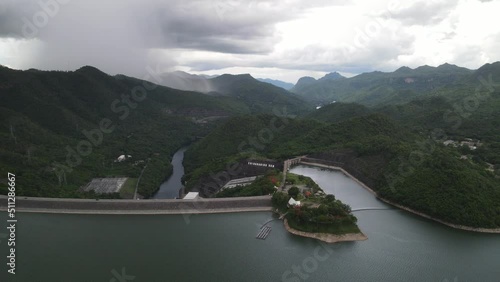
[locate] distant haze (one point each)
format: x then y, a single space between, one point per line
281 40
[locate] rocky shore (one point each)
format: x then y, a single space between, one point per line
327 237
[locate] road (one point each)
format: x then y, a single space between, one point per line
85 206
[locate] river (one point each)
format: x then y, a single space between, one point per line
222 247
170 188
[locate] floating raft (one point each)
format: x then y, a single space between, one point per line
264 232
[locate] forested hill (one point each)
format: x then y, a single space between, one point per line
61 129
451 116
46 115
278 83
401 86
260 96
400 165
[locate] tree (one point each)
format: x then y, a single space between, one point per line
294 191
330 198
280 199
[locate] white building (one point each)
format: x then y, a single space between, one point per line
293 203
192 196
122 158
239 182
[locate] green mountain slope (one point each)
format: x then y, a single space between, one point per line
377 150
278 83
60 129
378 88
337 112
260 97
437 117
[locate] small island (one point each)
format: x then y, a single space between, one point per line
307 211
304 207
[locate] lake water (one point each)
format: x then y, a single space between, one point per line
222 247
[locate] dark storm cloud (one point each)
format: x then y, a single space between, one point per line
127 36
13 16
118 38
225 26
203 27
218 25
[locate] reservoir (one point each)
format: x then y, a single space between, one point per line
222 247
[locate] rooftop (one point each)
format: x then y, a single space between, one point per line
192 196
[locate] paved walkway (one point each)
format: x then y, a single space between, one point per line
222 205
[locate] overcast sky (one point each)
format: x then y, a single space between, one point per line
284 39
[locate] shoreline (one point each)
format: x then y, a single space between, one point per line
327 237
456 226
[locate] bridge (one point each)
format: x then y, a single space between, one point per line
265 230
273 219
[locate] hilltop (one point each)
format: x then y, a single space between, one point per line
260 95
381 88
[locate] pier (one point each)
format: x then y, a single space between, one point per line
264 232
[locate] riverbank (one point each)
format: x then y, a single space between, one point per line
327 237
139 207
461 227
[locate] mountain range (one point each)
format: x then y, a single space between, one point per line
378 88
58 130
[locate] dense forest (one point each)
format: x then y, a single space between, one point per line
61 129
317 212
264 185
400 164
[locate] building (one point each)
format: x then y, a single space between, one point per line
122 158
450 142
239 182
192 196
105 185
293 203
